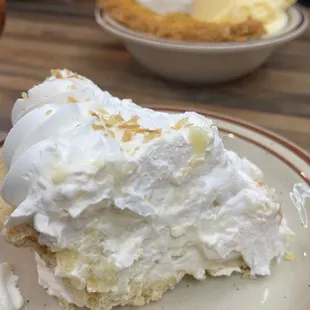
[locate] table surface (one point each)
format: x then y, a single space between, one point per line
46 34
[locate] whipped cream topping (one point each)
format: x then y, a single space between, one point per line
126 196
10 297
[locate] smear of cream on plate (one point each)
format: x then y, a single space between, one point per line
265 295
299 197
10 296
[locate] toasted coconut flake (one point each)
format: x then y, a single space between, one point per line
199 139
103 111
182 122
56 73
188 125
135 150
72 87
68 72
127 136
111 133
260 184
114 120
133 120
25 95
93 113
289 256
76 76
97 127
145 130
128 126
72 100
139 130
59 176
152 135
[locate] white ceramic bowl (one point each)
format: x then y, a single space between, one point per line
202 62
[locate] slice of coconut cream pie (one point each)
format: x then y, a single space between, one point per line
121 202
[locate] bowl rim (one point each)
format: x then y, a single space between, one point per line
129 35
293 15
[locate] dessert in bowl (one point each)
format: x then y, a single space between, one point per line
201 20
173 47
121 202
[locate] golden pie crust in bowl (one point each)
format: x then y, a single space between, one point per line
181 27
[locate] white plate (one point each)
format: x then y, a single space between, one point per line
284 165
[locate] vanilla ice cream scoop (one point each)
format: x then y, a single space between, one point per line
237 11
270 13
